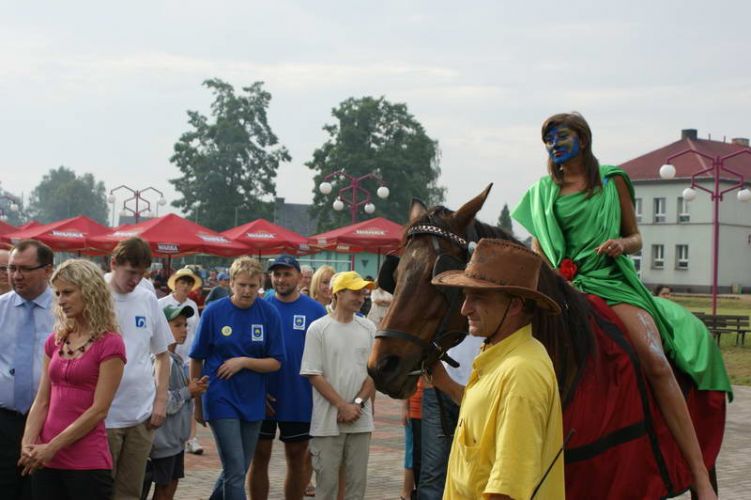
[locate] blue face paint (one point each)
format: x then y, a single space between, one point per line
562 144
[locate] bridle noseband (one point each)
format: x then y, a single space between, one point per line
444 338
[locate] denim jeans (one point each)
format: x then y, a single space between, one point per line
236 444
436 445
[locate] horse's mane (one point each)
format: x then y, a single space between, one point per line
567 337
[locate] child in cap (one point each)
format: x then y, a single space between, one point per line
166 465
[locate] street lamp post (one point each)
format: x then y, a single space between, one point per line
137 197
355 186
667 171
13 206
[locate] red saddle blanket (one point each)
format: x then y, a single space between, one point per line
621 446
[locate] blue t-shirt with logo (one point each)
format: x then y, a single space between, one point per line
293 392
227 331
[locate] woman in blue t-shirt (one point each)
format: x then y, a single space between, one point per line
238 340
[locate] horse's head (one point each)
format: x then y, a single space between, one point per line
423 321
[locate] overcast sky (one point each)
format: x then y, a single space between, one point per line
104 87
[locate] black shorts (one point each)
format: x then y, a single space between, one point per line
167 469
289 432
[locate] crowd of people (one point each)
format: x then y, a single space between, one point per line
102 384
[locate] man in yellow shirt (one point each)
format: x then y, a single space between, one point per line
510 426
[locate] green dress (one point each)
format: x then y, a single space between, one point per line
572 226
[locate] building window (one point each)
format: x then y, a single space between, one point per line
681 256
636 257
658 256
683 213
659 210
637 209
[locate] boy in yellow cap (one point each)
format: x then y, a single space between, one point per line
337 347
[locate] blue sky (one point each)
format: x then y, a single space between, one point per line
105 89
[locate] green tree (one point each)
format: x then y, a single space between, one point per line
504 220
230 161
375 136
62 194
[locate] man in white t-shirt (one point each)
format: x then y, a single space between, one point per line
335 361
140 403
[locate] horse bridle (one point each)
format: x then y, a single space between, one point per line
444 338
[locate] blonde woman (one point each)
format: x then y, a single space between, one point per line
65 444
320 285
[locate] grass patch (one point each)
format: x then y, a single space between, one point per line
737 358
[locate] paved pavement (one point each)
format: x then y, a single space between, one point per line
386 460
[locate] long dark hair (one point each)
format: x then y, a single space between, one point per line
578 124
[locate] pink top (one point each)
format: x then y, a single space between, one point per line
72 386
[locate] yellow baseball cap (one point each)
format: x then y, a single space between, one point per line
350 280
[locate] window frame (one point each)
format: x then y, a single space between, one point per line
658 262
681 262
659 217
684 215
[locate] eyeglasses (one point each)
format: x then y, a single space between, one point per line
24 269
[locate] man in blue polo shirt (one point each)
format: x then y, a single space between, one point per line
290 400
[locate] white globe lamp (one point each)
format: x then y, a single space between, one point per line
744 195
689 194
162 201
369 208
111 198
325 187
667 171
338 205
383 192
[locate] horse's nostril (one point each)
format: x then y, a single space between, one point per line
388 364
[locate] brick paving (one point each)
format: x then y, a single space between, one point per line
386 459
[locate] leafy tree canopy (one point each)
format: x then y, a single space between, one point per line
504 220
230 160
375 136
61 194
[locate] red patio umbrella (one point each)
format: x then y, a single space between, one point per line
29 225
267 238
6 228
68 235
171 236
377 235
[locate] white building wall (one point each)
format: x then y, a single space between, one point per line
735 237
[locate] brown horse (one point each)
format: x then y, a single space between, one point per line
621 447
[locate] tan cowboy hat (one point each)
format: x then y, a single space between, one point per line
185 271
504 266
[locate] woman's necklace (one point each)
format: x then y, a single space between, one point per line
70 351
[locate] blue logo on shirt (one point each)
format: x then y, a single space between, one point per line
140 321
298 322
256 333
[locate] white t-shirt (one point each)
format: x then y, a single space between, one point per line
464 354
184 348
339 352
145 331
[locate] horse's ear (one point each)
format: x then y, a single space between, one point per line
417 209
467 212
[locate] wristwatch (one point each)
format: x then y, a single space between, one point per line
360 401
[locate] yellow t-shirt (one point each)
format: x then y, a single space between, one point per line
510 425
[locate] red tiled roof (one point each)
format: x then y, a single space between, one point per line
647 166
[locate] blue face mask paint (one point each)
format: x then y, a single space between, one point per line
562 144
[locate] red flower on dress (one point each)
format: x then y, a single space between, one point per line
568 269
